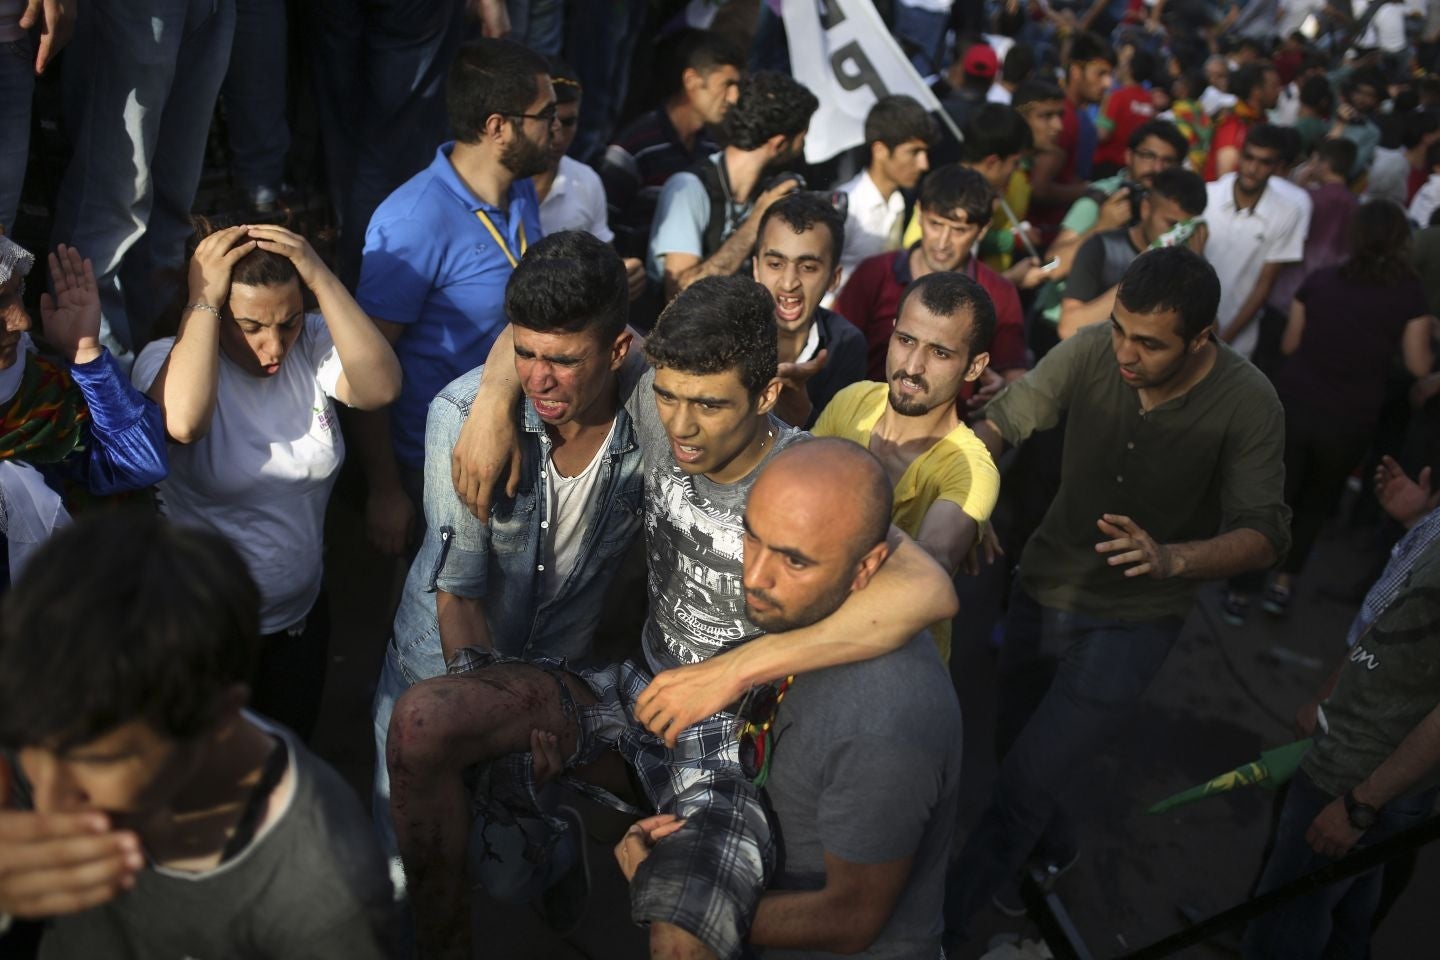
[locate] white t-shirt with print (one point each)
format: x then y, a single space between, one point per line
263 473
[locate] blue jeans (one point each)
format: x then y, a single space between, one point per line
1333 922
1067 683
254 93
602 36
922 34
539 24
395 678
17 87
379 68
139 96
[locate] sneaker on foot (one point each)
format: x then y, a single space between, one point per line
1234 608
1276 601
563 903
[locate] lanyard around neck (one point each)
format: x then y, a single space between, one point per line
500 238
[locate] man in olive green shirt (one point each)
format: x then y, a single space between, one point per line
1172 475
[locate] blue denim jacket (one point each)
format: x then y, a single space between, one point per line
498 562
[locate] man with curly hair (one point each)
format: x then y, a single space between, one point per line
707 218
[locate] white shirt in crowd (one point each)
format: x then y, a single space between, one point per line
1294 13
1427 199
1387 27
572 504
263 473
576 201
1241 241
1212 101
1389 176
873 224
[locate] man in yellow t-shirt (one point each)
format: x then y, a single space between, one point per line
945 482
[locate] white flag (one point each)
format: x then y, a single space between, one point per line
842 51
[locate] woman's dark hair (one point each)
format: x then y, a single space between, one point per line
487 77
1379 238
953 187
771 104
124 617
801 211
719 324
1172 278
569 282
946 294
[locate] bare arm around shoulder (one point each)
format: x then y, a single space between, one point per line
908 593
683 269
948 534
185 387
844 916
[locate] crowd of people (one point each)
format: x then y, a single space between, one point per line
1125 316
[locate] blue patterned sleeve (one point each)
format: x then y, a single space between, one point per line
126 449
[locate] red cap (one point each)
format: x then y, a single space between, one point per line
980 61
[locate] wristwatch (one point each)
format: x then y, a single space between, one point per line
1362 815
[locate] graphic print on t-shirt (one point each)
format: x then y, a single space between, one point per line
696 550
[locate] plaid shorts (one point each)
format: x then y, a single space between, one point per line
707 877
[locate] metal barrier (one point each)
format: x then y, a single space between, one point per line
1048 913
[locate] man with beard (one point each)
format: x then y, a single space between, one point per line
438 253
1172 475
820 351
707 218
954 213
703 422
864 800
944 479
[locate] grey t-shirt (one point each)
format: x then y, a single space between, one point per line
311 885
1389 685
866 767
694 545
1099 264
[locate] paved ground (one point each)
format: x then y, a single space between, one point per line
1222 697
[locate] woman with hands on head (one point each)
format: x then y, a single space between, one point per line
246 389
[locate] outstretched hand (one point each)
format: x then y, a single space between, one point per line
72 316
1404 499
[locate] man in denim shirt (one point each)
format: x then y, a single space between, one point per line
530 582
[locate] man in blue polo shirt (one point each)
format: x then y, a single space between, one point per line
438 253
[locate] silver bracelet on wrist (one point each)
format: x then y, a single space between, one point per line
202 305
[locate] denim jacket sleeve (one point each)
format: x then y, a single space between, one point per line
457 543
127 430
